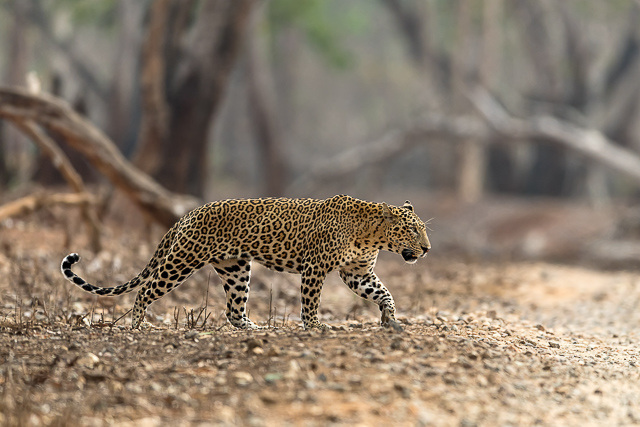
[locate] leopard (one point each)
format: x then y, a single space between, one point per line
305 236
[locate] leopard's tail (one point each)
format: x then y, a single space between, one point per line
129 286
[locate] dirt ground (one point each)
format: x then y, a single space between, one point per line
484 343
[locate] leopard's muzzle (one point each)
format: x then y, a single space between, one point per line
410 256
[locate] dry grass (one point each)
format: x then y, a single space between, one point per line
495 344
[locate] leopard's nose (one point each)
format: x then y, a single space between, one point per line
426 249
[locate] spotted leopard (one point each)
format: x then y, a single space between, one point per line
304 236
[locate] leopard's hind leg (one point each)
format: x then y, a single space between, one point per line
170 274
235 275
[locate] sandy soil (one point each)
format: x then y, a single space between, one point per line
486 344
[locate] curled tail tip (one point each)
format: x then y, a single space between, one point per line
72 258
67 262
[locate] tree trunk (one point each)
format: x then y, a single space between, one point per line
155 111
198 92
471 154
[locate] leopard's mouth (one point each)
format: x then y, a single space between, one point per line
409 256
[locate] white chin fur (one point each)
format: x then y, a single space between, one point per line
411 261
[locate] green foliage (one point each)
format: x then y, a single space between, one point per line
100 13
325 23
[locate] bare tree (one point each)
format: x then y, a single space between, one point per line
56 115
188 54
569 86
497 126
589 143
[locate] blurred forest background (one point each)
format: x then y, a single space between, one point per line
317 97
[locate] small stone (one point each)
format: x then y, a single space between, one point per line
554 344
269 398
89 361
242 378
253 344
337 387
191 334
108 351
293 371
403 389
273 352
355 380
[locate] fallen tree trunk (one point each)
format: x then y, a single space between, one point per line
33 202
154 200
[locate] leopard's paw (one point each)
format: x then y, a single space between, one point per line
317 325
245 323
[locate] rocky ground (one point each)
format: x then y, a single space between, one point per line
482 343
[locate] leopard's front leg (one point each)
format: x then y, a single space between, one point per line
235 275
312 281
364 283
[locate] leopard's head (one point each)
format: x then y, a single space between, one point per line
405 232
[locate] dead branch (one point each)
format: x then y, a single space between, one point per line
391 144
34 202
498 126
62 163
55 114
590 143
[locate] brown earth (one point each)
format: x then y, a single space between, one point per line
488 344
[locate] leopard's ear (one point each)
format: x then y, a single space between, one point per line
408 205
388 215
